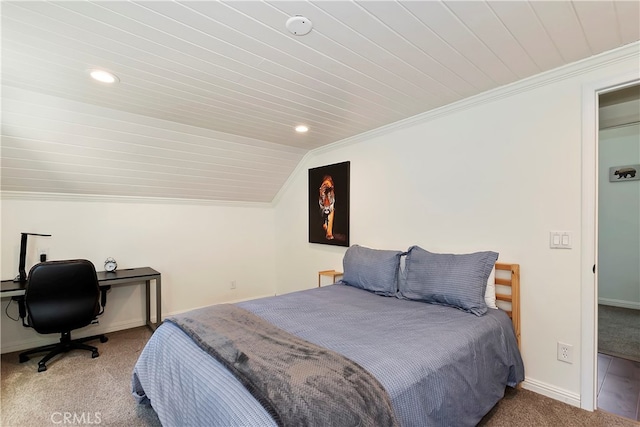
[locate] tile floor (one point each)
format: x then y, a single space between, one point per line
619 386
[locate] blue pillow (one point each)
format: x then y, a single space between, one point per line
456 280
374 270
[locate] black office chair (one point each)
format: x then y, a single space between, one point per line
62 296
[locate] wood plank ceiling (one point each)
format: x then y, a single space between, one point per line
209 92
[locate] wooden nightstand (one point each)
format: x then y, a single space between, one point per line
329 273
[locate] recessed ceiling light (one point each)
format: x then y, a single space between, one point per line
103 76
301 128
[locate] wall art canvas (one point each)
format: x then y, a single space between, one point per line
624 173
329 204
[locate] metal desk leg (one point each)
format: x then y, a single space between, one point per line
150 324
148 303
158 303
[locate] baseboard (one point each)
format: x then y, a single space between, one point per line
53 338
551 391
221 302
619 303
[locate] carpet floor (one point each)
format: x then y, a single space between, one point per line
619 332
97 391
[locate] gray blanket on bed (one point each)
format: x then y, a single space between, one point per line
297 382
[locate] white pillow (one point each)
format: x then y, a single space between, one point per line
490 292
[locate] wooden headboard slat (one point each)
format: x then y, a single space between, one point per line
514 283
504 297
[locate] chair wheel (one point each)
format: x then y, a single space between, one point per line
23 358
42 367
94 354
104 339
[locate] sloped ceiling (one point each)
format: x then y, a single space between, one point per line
210 92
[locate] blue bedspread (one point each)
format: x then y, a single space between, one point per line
440 366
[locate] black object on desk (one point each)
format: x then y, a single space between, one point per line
9 288
22 274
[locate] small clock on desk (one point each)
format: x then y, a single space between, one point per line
110 265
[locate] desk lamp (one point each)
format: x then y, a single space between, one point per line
22 274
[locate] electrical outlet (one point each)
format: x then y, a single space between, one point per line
233 284
565 352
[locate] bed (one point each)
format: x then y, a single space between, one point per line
439 364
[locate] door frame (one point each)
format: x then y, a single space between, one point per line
589 231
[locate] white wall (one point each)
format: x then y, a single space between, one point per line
619 220
496 172
199 249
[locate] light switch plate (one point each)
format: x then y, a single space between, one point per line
560 240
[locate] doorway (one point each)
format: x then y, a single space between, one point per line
618 252
589 238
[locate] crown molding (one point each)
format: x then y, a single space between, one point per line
98 198
630 51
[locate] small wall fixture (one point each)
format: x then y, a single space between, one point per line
299 25
301 128
103 76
